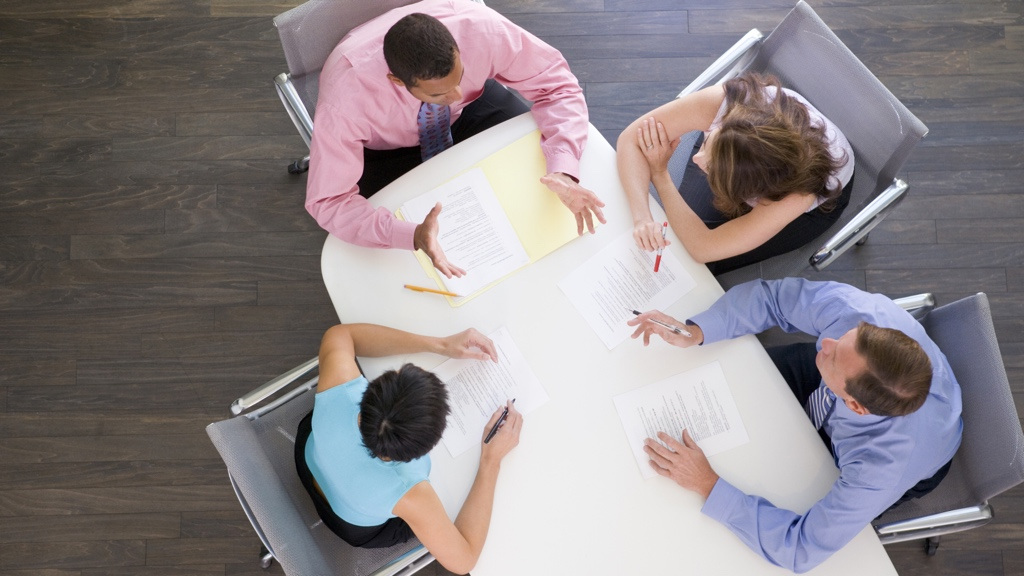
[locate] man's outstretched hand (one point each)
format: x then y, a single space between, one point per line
583 203
425 238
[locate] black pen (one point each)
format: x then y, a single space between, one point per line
675 329
501 420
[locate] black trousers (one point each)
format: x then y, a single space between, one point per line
394 531
697 192
495 105
796 364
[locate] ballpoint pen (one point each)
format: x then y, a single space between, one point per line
501 420
432 291
675 329
657 259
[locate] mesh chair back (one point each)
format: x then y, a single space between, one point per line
260 459
809 58
310 31
991 456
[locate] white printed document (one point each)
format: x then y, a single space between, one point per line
621 278
476 388
698 400
473 230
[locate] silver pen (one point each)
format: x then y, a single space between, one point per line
675 329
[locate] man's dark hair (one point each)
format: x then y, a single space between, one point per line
899 372
402 414
418 47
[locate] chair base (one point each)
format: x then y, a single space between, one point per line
266 558
299 166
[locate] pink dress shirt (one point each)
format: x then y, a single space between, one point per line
360 107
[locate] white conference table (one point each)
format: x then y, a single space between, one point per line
570 498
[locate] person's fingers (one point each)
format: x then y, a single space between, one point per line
672 443
442 267
589 219
579 223
661 471
434 212
662 134
689 441
658 453
486 345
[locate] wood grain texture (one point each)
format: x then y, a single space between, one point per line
156 260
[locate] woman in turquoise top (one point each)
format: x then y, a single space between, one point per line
363 451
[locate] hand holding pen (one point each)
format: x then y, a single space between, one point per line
502 434
655 322
501 420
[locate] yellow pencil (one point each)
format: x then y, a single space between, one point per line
432 291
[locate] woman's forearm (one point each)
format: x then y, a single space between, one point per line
474 518
691 230
634 174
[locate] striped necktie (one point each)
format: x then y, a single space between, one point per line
434 122
820 405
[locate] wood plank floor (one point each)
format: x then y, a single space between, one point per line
156 260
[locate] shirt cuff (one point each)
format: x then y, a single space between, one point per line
402 234
711 325
723 499
564 161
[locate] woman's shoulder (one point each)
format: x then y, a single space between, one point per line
351 388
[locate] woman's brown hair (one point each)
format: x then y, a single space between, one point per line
767 148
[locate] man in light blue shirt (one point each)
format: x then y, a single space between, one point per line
892 435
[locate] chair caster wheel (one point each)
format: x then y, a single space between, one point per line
266 558
298 167
931 546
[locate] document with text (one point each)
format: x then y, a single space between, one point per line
476 388
473 231
698 400
619 279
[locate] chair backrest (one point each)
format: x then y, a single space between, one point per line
310 31
991 455
809 58
259 454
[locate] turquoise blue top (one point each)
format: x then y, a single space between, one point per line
361 489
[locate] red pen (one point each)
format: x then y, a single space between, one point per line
657 259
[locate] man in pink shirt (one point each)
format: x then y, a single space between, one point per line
372 88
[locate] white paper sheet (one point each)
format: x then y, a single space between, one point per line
619 279
698 400
476 388
473 231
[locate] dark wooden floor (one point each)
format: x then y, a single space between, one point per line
156 260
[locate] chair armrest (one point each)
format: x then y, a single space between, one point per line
918 305
729 64
860 225
272 386
935 524
409 563
294 106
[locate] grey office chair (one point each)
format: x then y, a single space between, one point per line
809 58
309 32
991 455
258 449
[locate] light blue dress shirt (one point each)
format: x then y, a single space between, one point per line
879 458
